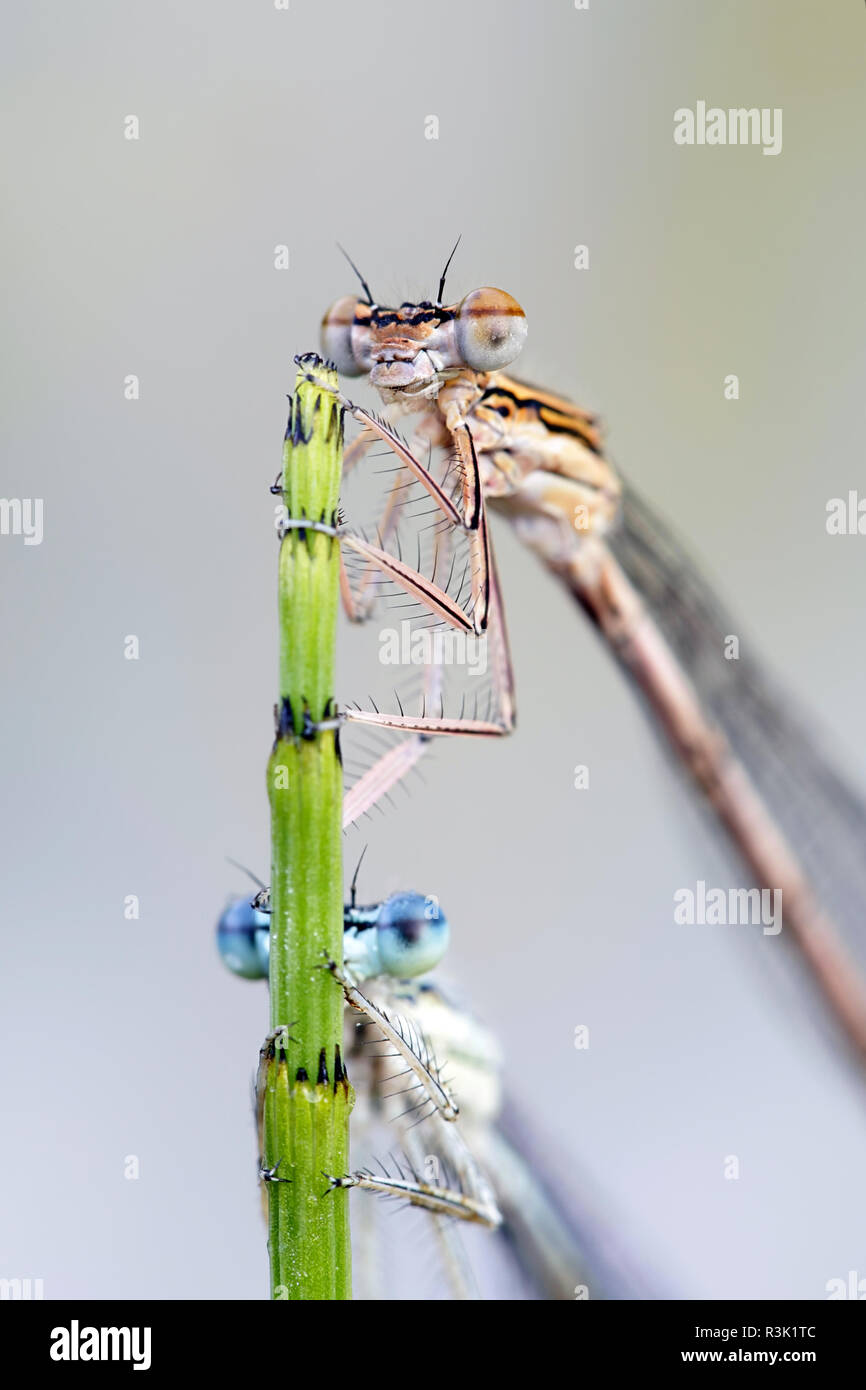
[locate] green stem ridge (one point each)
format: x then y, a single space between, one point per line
306 1095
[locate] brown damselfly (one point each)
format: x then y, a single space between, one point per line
539 460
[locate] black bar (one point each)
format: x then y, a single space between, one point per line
606 1337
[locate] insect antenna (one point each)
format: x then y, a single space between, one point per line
354 886
368 292
445 271
249 873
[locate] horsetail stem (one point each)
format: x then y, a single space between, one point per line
306 1096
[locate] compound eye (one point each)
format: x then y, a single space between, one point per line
243 939
491 329
337 336
412 934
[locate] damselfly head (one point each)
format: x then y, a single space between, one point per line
404 936
411 350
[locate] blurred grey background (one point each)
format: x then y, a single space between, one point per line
156 257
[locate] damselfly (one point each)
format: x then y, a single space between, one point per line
458 1158
538 459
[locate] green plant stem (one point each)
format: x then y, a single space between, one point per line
307 1098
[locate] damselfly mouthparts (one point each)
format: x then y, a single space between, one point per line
538 459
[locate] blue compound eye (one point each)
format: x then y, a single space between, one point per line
412 934
243 938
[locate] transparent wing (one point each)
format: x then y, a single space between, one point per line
557 1237
555 1221
557 1241
821 814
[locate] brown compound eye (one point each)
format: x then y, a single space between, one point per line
336 335
491 329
